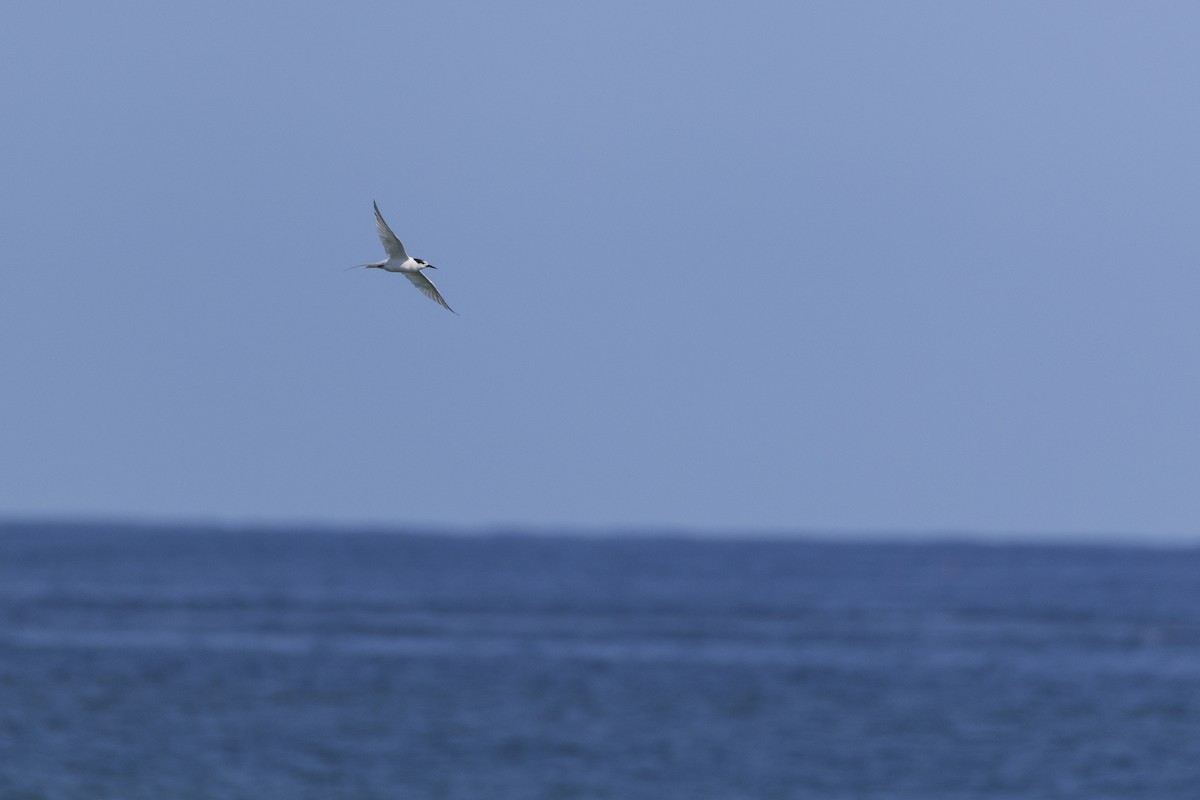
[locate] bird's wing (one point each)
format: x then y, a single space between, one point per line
390 243
427 288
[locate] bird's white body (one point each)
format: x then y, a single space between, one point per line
400 261
396 265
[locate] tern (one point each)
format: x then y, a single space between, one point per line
400 261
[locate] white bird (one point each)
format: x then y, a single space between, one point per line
399 261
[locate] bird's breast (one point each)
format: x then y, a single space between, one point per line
396 265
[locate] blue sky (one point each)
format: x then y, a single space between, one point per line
921 267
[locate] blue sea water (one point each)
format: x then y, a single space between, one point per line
141 663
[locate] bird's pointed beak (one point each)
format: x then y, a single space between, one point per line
431 266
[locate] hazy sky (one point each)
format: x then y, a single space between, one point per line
721 266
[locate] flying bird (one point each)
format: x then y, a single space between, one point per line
399 261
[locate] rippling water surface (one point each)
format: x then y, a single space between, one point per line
140 663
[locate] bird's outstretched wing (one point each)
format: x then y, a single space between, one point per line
390 243
428 289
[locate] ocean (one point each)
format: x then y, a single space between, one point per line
220 663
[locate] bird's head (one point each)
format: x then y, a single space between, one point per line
424 264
